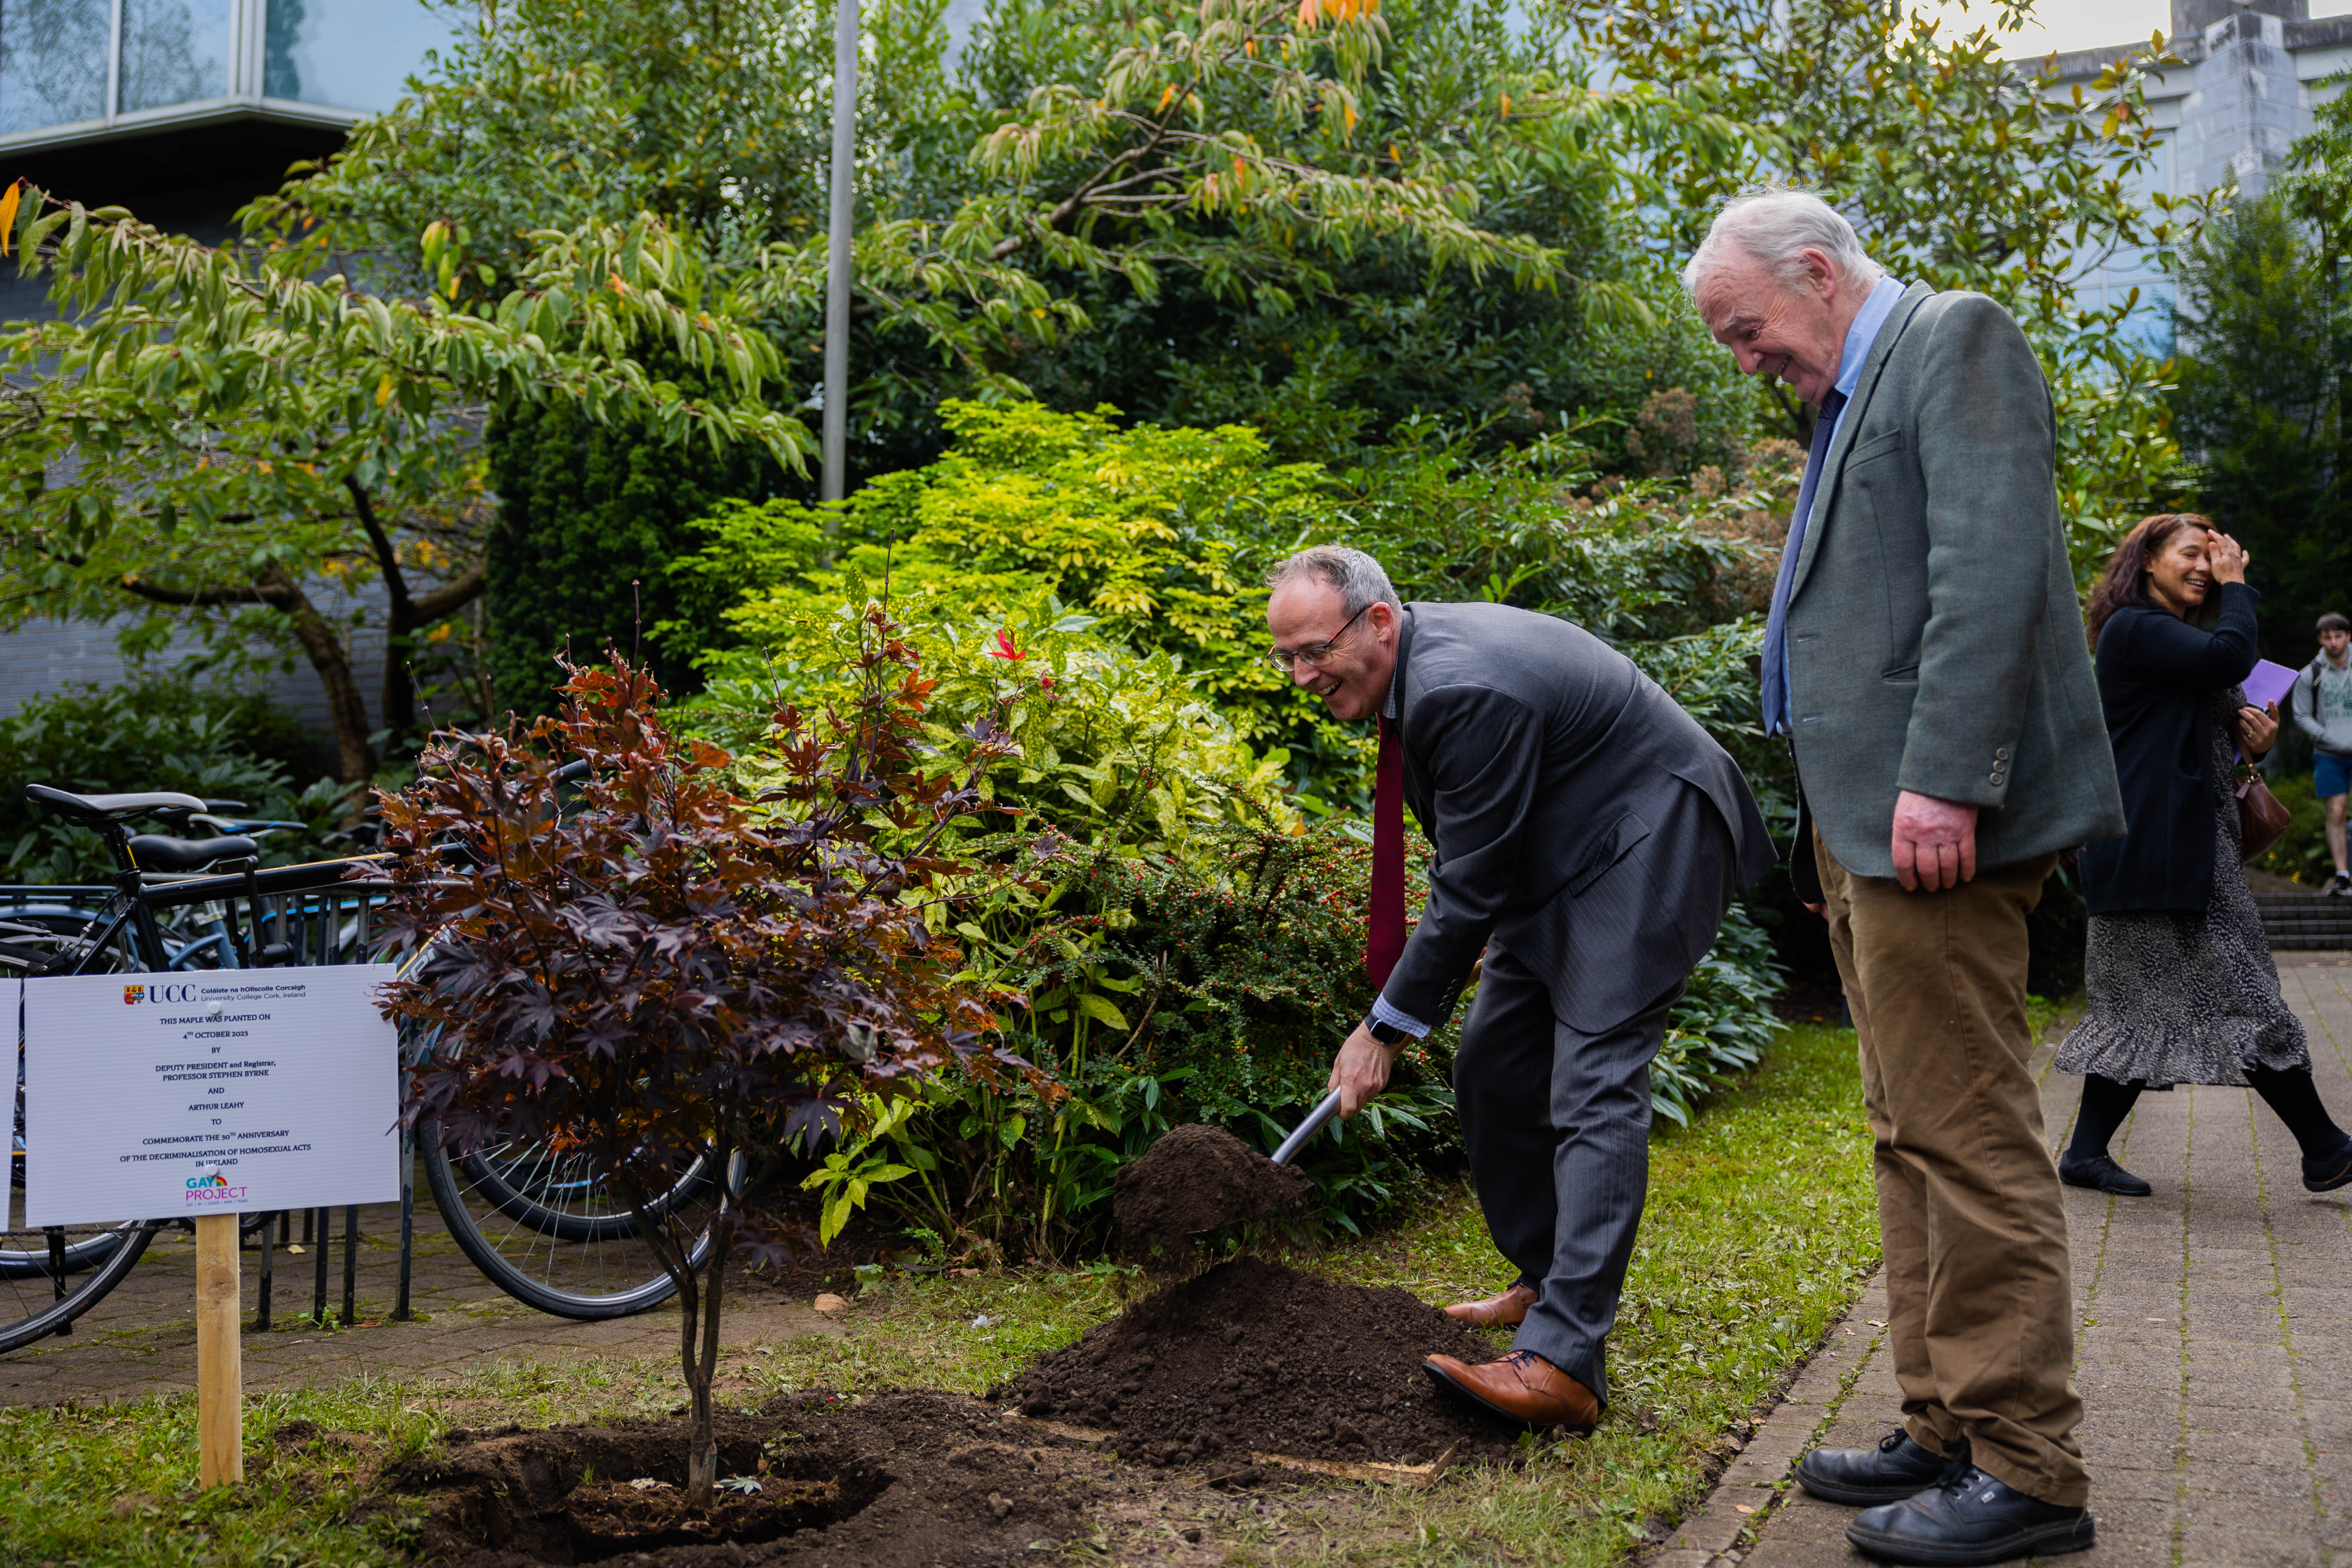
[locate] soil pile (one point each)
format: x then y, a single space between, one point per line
1252 1355
892 1480
1198 1179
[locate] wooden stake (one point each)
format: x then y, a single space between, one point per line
220 1354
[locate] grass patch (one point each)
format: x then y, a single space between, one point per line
1760 1222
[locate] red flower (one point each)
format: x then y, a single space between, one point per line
1005 648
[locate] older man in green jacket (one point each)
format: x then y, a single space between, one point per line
1925 653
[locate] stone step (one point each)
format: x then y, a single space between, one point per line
2305 921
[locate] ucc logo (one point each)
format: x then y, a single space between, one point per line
166 995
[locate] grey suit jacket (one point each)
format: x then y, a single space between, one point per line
1935 642
1537 757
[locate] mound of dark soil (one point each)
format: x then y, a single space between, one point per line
892 1480
1198 1179
1254 1357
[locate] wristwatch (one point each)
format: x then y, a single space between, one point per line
1387 1034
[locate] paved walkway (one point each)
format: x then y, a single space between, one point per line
2214 1351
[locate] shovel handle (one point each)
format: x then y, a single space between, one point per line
1308 1127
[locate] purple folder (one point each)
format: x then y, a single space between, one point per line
2268 684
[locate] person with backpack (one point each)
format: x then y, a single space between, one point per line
2321 702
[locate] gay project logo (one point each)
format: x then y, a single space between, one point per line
212 1187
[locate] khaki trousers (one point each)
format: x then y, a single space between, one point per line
1978 1283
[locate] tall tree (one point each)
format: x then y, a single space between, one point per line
1959 169
2265 329
220 433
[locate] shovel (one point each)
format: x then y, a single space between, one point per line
1308 1127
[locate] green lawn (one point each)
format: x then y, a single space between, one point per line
1760 1225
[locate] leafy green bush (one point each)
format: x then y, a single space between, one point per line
1178 944
1723 1022
1116 748
2301 854
1159 534
1163 534
588 518
152 734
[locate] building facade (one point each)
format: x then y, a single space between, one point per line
2250 77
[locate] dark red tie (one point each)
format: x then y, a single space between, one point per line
1384 942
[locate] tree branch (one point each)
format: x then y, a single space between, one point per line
191 598
450 599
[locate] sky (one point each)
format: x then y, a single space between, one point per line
2085 24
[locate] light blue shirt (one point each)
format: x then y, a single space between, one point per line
1858 339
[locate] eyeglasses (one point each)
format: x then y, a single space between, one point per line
1313 654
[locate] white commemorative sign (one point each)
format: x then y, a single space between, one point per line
235 1090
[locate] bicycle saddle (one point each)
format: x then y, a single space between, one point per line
108 808
153 852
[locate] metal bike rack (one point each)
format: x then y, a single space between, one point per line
285 916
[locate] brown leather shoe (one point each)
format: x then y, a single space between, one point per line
1509 1309
1523 1387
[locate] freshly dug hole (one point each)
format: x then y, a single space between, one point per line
1252 1355
1198 1179
891 1480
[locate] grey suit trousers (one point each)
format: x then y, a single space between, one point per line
1554 1118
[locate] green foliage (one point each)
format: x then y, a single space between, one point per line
2261 400
1724 1023
590 517
1159 534
1959 169
1247 210
153 734
223 432
2301 854
1115 748
1162 535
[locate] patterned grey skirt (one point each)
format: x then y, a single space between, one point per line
2183 998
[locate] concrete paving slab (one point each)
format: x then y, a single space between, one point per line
2214 1351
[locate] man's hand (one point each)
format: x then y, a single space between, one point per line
1360 1071
1934 842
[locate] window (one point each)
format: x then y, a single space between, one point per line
350 54
53 62
64 65
174 51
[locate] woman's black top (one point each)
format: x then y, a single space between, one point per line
2158 678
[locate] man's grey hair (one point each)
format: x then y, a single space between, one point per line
1773 225
1360 579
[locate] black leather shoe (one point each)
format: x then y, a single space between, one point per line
1897 1468
1972 1519
2101 1174
2329 1172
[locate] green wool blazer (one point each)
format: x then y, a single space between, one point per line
1935 642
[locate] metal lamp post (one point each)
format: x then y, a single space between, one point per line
834 481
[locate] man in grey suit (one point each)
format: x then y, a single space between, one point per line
1589 837
1925 653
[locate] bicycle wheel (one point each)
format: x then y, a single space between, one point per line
50 1275
549 1230
557 1196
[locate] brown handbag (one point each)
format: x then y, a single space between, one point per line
2261 818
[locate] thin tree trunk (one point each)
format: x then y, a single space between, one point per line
345 705
702 1461
405 615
